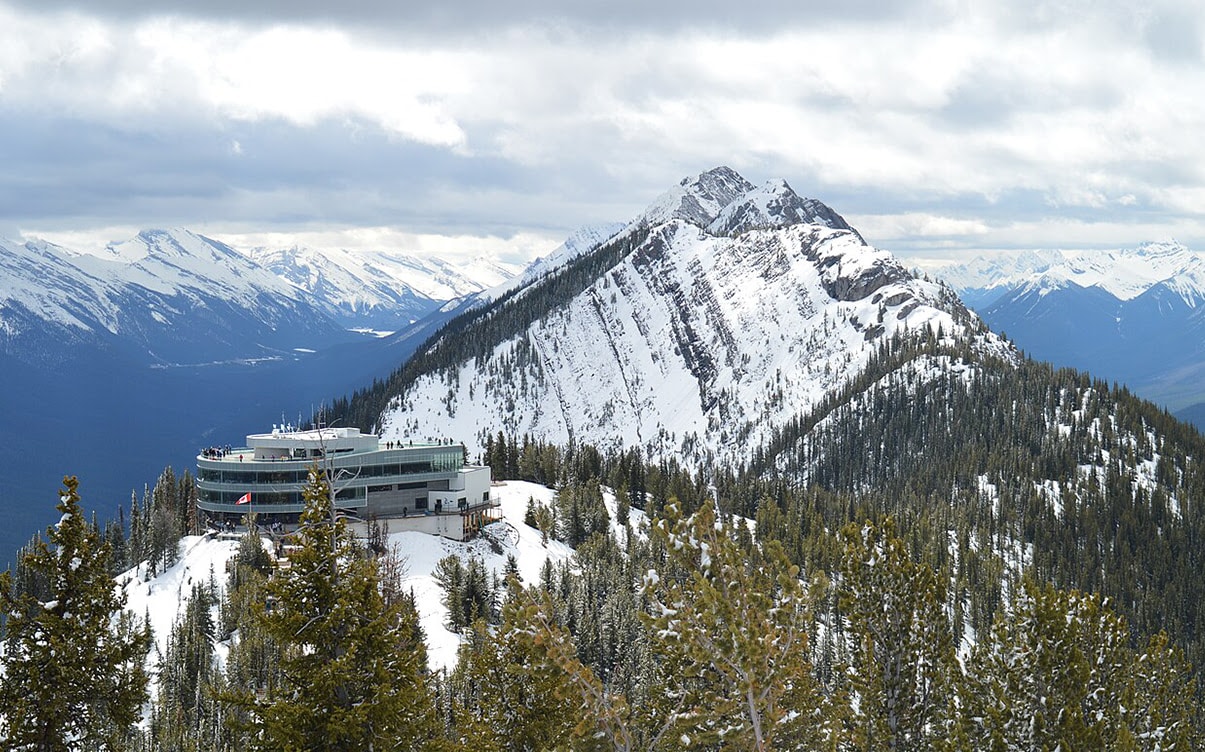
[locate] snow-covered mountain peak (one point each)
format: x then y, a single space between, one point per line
169 245
40 280
181 262
1123 273
698 200
774 204
676 338
1163 249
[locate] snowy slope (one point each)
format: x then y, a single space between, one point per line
43 280
354 288
171 295
702 339
164 597
581 241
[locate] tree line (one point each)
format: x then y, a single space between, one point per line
691 628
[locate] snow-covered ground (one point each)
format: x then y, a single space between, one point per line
162 598
423 553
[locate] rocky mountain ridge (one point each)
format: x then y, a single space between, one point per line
717 313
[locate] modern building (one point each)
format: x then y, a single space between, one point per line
409 486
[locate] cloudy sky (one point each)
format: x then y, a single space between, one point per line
486 127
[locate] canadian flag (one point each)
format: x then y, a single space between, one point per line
244 499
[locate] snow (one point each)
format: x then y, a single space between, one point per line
360 280
204 559
581 241
170 271
89 292
423 553
162 598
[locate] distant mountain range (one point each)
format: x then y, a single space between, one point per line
120 362
385 291
1134 316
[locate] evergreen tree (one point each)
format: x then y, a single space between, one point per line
186 711
353 673
1058 672
904 673
73 663
506 696
733 621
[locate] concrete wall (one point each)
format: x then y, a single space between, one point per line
447 525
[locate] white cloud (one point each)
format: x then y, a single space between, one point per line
943 125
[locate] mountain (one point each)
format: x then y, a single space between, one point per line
809 380
692 332
1132 316
744 345
119 362
163 296
1124 273
583 240
382 290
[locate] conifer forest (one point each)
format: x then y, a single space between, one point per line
1027 582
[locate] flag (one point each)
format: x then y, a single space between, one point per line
244 499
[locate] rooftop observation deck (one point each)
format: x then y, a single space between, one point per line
305 446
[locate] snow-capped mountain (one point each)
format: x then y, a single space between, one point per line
354 289
1125 274
173 296
381 290
719 313
167 296
1135 316
48 303
583 240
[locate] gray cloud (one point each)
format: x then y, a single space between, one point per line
473 17
75 174
1175 34
938 127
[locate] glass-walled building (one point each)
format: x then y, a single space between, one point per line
371 479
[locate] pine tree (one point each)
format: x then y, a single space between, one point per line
1058 671
185 712
732 620
904 673
354 674
73 663
506 695
449 573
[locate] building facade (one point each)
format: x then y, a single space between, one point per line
423 486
